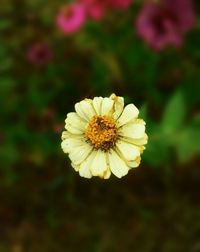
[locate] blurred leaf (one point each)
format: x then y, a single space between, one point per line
5 24
8 154
8 63
157 152
192 45
143 112
189 144
174 114
113 66
188 141
7 84
190 85
99 75
157 149
52 220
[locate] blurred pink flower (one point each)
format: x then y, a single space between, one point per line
95 8
39 53
71 17
120 3
165 23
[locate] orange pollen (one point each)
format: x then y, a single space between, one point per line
102 132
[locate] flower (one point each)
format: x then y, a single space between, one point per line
165 23
95 8
104 137
124 4
71 17
39 53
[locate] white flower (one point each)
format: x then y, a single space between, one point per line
104 137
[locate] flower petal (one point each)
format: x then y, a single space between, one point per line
70 144
117 165
97 102
129 151
80 153
138 141
65 135
76 167
85 109
107 174
107 106
135 163
133 130
130 113
73 129
84 170
75 121
99 165
118 105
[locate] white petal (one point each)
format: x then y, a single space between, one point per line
118 105
107 174
129 151
70 144
107 106
130 113
84 170
133 130
139 141
75 121
99 165
80 153
135 163
97 102
117 165
73 129
65 135
85 109
76 167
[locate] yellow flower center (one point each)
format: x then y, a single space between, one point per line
102 132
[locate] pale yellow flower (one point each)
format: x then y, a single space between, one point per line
104 137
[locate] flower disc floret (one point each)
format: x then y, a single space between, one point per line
102 132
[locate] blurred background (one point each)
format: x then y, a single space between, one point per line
54 54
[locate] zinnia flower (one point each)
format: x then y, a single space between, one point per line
71 17
39 53
164 23
104 137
